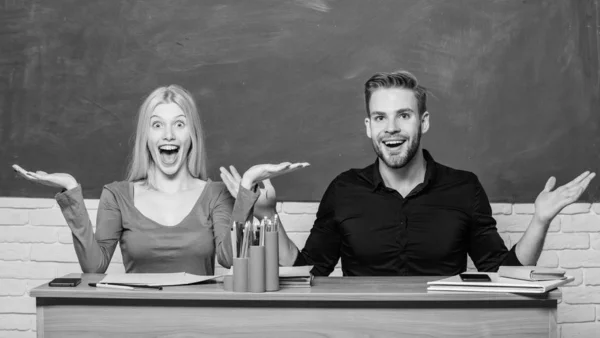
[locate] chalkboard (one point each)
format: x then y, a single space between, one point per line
515 85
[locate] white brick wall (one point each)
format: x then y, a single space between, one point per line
36 245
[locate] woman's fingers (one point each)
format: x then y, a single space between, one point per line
24 173
235 173
231 186
228 175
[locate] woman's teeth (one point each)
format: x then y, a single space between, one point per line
168 147
168 154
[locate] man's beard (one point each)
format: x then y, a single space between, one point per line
399 161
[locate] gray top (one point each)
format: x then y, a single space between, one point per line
147 246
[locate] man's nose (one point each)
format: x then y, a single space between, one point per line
392 126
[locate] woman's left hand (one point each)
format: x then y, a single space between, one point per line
265 205
549 203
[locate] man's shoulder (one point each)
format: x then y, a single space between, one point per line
353 176
449 174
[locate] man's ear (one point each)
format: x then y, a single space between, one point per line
368 126
425 122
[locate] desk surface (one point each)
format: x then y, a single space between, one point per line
378 289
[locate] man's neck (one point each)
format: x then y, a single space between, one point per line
404 179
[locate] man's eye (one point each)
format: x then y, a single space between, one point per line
378 118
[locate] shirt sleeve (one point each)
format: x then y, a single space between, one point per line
94 251
322 248
226 211
486 247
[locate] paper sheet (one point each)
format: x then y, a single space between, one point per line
156 279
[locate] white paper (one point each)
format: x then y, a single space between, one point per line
155 279
294 271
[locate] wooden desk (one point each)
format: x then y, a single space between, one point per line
333 307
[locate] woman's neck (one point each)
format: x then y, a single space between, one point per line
181 181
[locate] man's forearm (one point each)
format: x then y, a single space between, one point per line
530 246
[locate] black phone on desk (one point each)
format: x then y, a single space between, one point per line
475 277
65 282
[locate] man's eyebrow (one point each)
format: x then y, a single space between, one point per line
399 111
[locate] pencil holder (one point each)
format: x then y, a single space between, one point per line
257 269
272 261
240 275
228 283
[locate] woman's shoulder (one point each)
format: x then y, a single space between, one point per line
119 188
215 188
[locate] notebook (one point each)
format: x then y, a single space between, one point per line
498 284
295 276
532 273
292 276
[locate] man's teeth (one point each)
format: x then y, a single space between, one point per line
393 143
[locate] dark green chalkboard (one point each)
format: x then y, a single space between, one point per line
515 85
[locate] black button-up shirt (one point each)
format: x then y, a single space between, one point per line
378 232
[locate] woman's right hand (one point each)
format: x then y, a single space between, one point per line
57 180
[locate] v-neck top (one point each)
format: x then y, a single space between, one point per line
148 246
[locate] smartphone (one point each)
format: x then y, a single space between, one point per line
65 282
475 277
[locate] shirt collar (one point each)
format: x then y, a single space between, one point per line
373 176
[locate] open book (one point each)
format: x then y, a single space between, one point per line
498 284
155 279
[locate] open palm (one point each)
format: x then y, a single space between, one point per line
267 201
57 180
550 202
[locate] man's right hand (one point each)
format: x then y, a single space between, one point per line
57 180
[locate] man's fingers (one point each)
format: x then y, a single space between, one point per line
578 179
587 180
550 184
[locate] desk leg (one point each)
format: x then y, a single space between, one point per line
40 321
552 323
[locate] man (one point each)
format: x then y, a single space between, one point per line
407 214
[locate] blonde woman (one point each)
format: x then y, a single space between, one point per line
167 216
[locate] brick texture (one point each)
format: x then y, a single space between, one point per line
36 245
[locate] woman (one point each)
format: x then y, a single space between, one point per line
168 216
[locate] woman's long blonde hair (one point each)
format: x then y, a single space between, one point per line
141 162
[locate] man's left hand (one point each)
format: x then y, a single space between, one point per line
550 202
